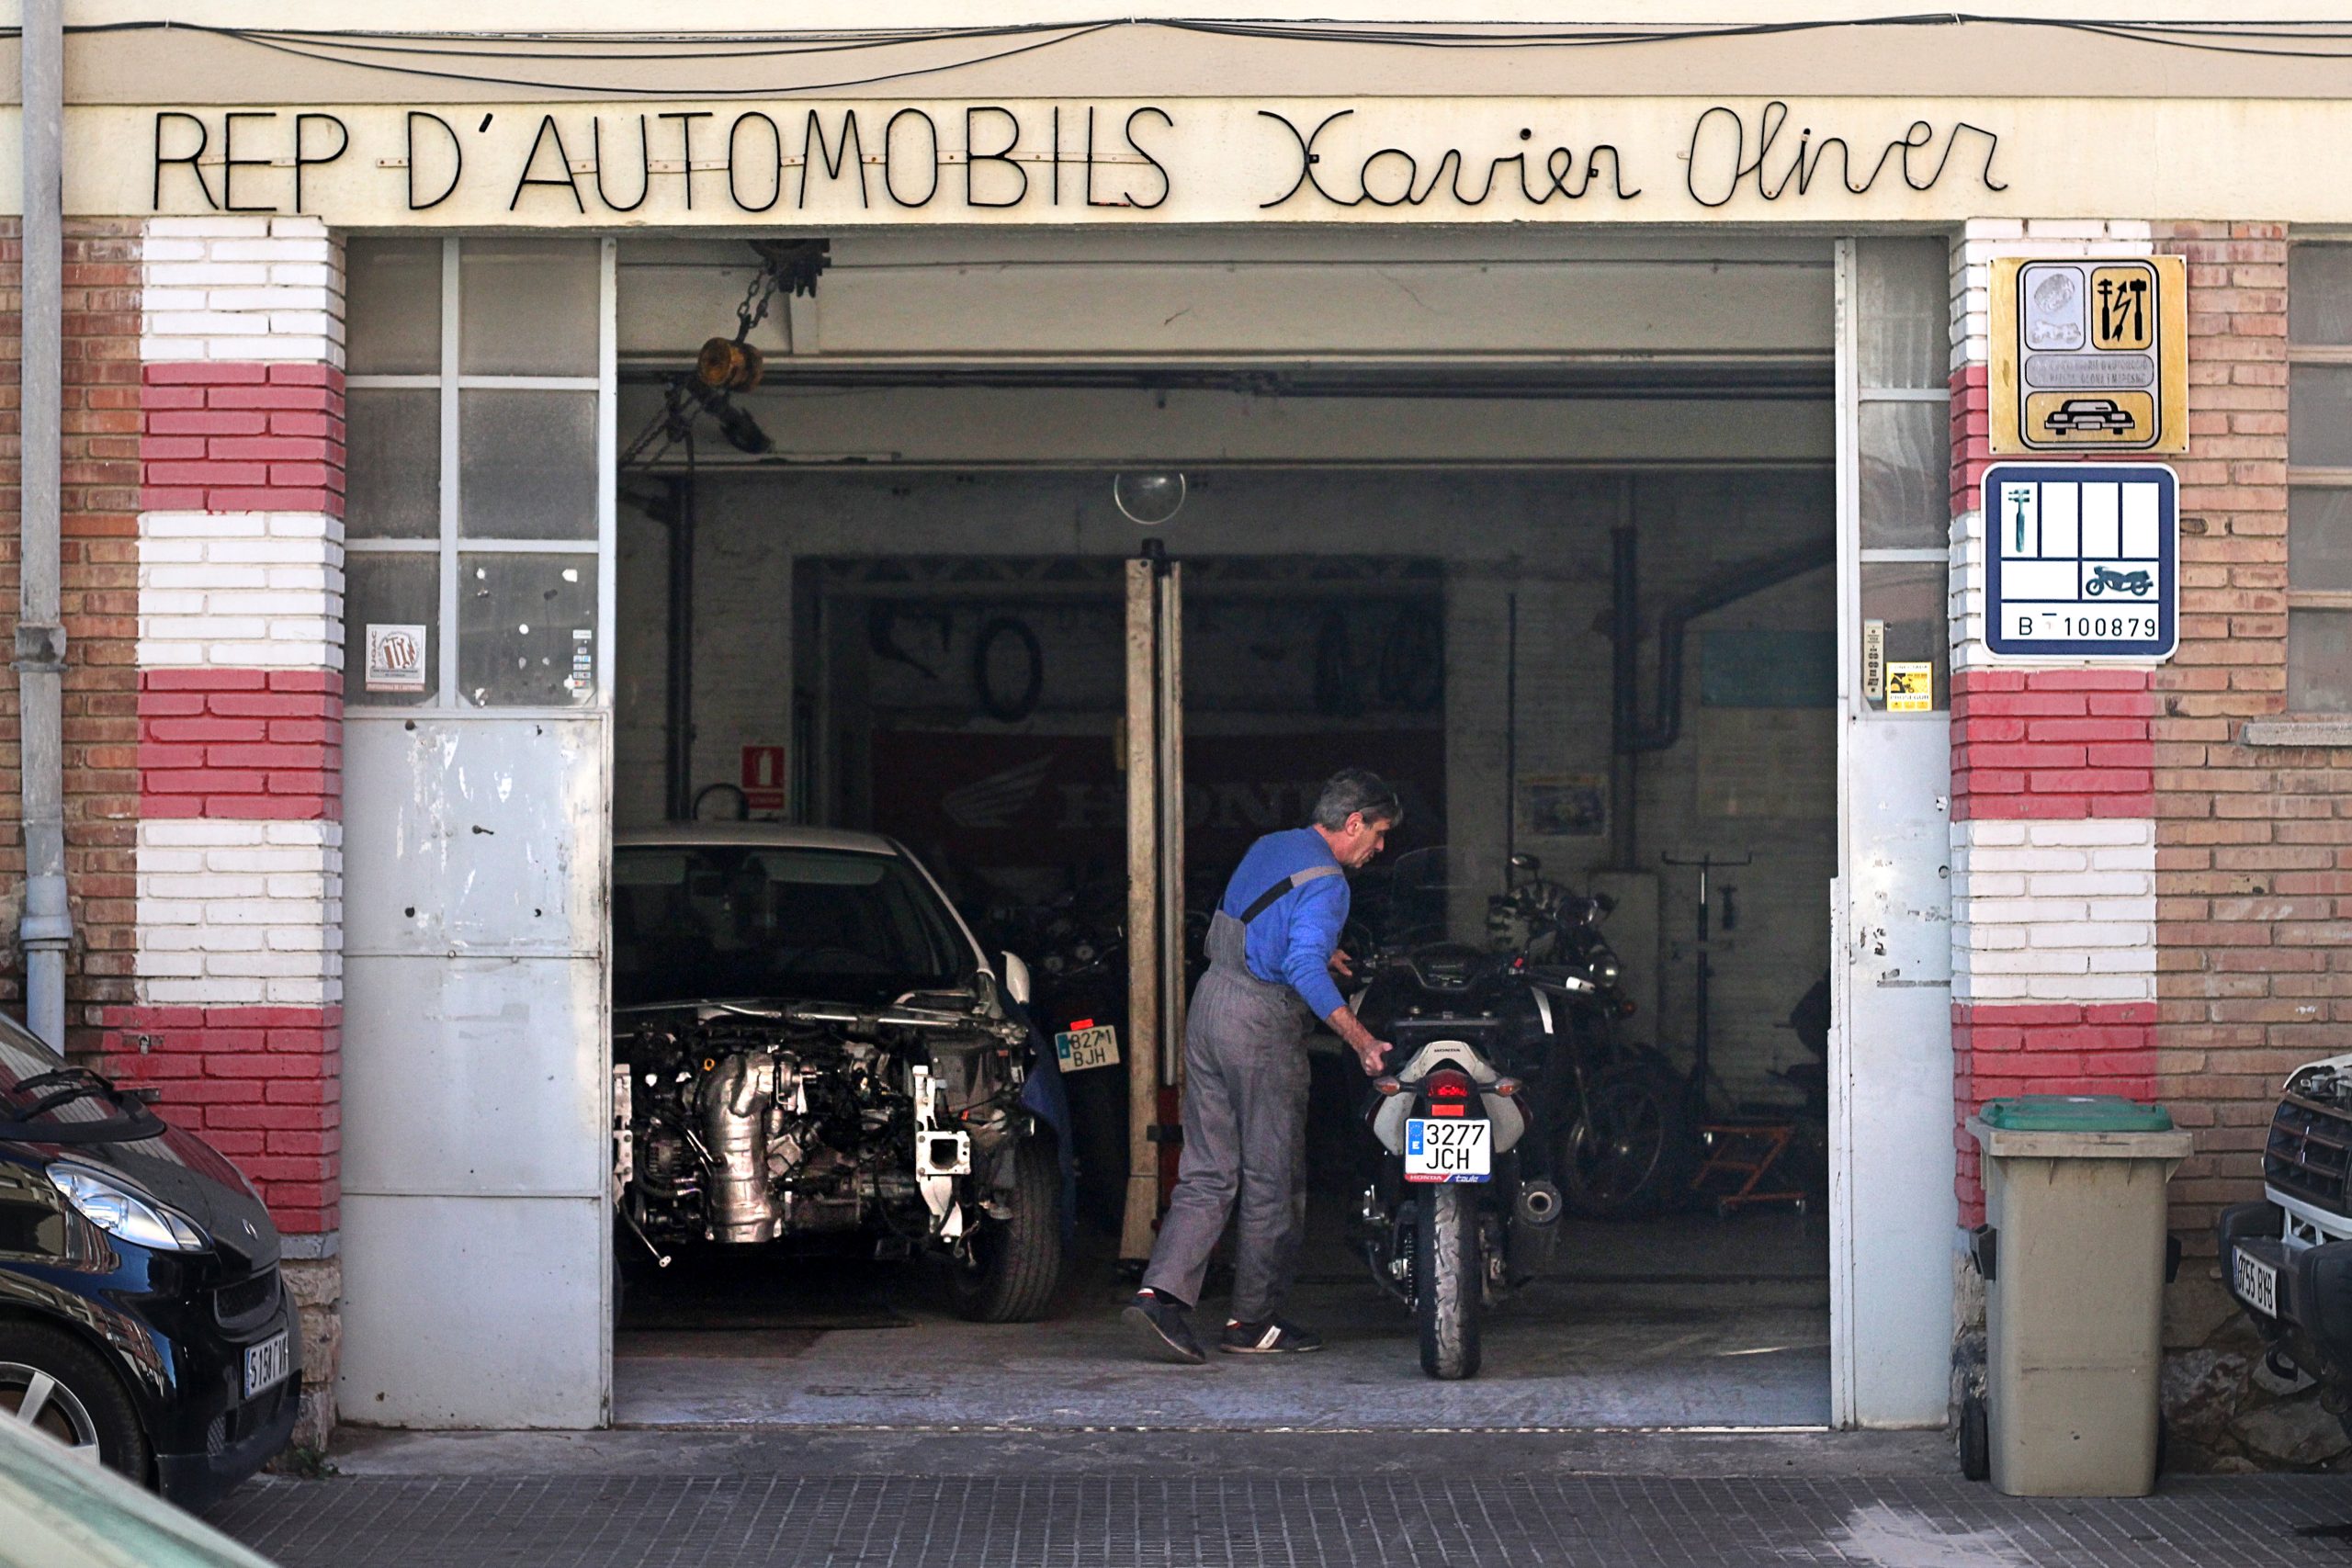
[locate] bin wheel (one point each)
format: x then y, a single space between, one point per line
1975 1439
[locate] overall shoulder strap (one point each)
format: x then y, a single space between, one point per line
1266 900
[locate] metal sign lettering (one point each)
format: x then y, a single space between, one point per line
2089 355
2083 561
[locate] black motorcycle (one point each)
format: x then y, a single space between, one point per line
1487 1046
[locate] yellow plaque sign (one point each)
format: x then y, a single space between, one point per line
2089 355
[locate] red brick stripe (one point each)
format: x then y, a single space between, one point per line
263 1086
226 436
2064 744
251 744
1972 437
2002 1049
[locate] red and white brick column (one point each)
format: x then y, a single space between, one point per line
2053 796
238 1016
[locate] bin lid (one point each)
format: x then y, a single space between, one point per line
2075 1114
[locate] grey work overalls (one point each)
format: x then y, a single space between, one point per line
1245 1128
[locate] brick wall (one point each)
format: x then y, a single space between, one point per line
100 497
2054 896
2254 857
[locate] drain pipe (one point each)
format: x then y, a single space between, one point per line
1634 733
48 927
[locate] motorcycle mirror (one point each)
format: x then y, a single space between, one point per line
1524 861
1604 903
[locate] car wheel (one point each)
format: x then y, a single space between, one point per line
1016 1261
56 1384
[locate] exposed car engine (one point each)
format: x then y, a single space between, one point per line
749 1125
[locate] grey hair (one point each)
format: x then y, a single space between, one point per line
1351 790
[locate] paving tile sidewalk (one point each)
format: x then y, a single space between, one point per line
906 1501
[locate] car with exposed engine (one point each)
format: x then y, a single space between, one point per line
2288 1258
812 1051
143 1321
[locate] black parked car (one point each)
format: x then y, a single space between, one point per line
141 1317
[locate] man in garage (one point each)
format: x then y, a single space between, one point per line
1273 951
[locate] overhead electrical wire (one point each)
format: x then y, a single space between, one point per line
353 48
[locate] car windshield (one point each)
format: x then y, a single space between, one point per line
36 1090
749 920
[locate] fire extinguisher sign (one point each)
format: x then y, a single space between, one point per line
763 778
2083 561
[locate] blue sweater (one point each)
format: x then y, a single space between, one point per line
1292 941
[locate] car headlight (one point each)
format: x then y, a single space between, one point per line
117 1209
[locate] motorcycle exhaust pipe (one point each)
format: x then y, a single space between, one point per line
1539 1203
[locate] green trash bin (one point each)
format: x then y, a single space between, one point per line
2073 1252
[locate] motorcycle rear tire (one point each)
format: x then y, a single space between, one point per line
1625 1158
1019 1259
1449 1282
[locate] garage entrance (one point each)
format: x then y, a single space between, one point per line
1550 533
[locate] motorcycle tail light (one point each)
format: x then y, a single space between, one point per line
1387 1085
1627 1008
1078 1023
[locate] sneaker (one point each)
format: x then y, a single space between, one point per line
1167 1336
1271 1338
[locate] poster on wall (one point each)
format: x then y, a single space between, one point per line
1565 806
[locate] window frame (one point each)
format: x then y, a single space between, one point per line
2306 477
449 546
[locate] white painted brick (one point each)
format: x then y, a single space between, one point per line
2096 831
153 247
199 271
1990 832
2093 884
2030 858
2037 961
1993 885
198 938
2065 229
285 966
202 323
286 249
305 275
2090 989
2124 961
1991 988
2081 934
2141 909
1994 229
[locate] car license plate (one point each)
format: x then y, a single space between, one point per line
1437 1150
267 1363
1080 1049
2256 1282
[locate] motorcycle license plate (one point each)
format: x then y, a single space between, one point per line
1083 1048
2256 1282
267 1363
1438 1150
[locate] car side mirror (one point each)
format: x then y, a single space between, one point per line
1016 980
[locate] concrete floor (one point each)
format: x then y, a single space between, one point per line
1685 1323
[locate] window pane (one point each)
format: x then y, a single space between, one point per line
2319 294
528 307
527 465
2319 422
526 629
1904 318
2319 661
392 298
1911 598
392 606
393 486
2319 537
1905 475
